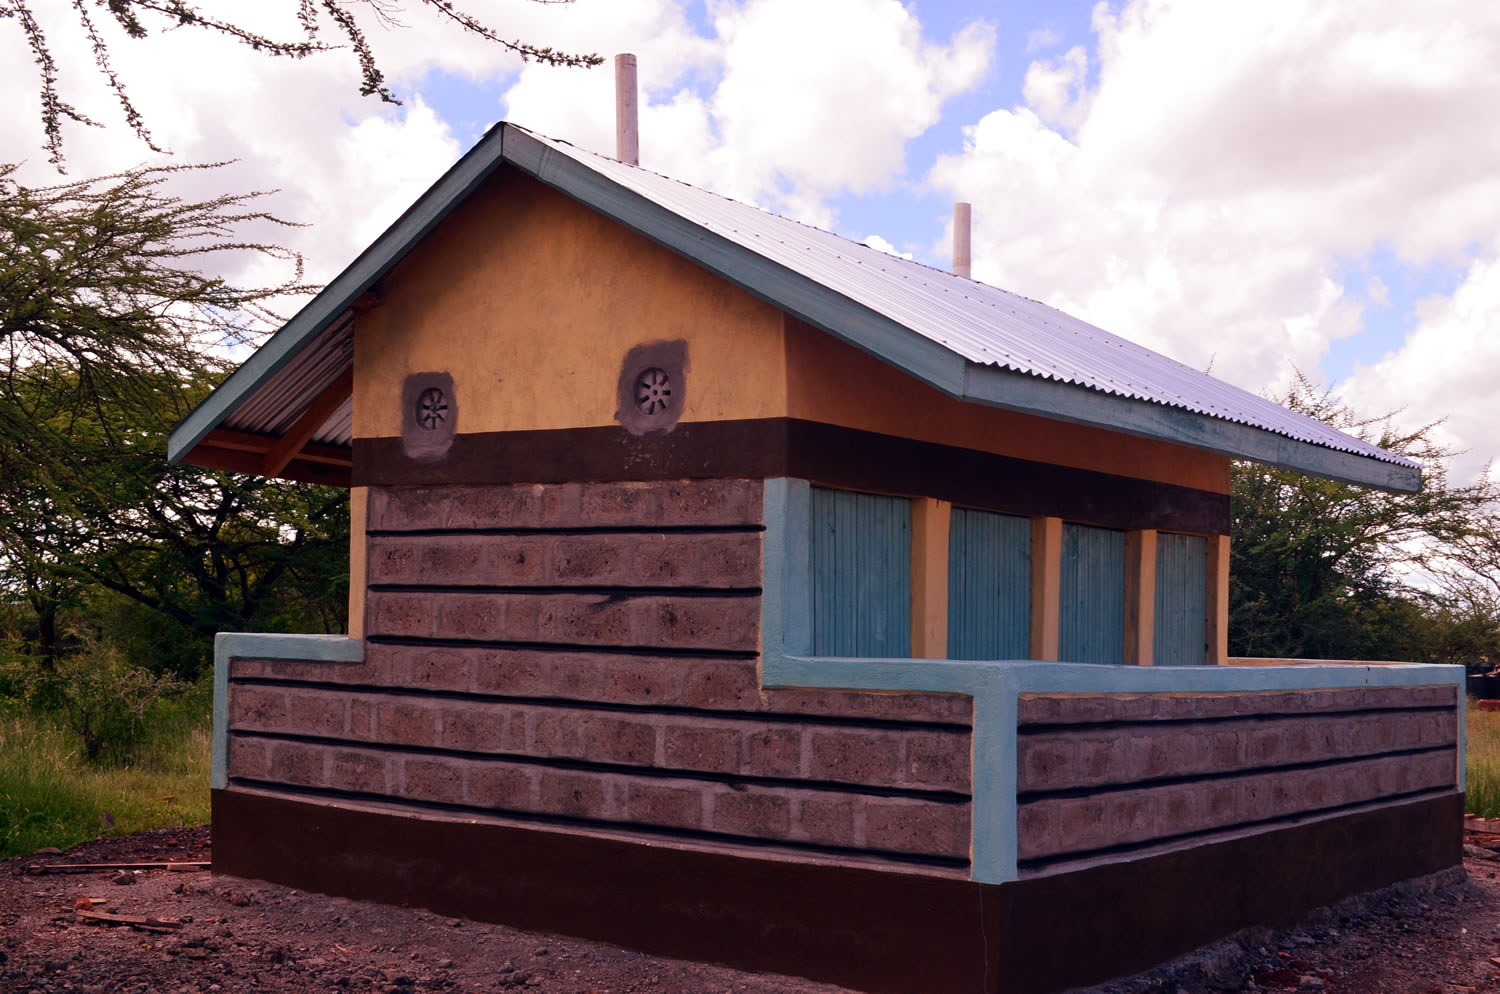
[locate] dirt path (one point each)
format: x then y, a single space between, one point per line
244 936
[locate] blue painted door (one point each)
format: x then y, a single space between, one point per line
861 574
1181 632
1091 608
989 585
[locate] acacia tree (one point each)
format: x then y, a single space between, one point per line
1320 569
111 332
138 17
206 551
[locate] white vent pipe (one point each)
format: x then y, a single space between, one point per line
962 214
627 122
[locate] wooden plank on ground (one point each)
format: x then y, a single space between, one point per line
187 865
137 921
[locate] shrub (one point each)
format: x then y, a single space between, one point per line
104 701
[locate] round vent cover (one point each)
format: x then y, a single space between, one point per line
429 415
432 409
653 391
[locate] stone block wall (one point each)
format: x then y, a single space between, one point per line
585 655
1101 776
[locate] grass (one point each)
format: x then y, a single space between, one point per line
49 795
1483 762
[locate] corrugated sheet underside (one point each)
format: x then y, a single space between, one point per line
983 324
989 586
277 405
1091 602
861 562
1180 631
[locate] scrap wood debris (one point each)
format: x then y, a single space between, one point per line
148 922
1482 834
187 866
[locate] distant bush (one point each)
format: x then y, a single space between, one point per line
105 701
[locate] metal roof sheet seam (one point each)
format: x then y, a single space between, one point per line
984 325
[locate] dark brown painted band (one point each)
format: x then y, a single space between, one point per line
825 454
868 929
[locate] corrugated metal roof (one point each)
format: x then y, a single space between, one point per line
273 407
977 343
983 324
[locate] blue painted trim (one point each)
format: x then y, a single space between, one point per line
250 645
796 294
1463 738
996 685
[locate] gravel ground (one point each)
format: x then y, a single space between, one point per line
1438 936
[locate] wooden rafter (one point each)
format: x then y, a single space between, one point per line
300 433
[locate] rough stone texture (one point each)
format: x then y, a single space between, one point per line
1052 826
600 675
592 560
623 620
1132 753
901 825
248 757
776 812
1099 771
698 503
1069 709
587 652
746 745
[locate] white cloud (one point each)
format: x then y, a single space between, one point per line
807 101
1446 369
880 244
342 165
787 104
1055 89
1205 196
1041 39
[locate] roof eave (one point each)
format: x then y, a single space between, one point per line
1030 394
799 295
373 263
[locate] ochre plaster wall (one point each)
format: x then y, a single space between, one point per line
837 383
531 300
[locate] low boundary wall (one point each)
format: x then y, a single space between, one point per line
1165 806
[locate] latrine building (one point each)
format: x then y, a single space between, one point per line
727 589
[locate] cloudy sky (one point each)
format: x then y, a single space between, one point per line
1308 184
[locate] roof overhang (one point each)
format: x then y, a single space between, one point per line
793 292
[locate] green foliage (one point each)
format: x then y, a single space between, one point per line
136 18
1326 570
104 701
112 334
101 279
52 794
164 556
